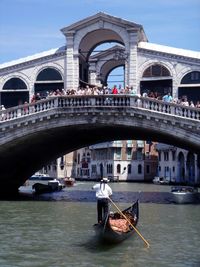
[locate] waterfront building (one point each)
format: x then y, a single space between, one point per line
122 160
178 165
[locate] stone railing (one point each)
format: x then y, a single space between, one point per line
99 101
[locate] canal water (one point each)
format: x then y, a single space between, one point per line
55 230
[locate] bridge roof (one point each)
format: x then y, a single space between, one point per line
169 50
32 57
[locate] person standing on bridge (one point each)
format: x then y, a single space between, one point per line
103 192
167 98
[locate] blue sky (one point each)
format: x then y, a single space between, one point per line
32 26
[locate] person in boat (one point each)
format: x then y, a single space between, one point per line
103 192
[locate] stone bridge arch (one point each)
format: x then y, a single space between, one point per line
32 136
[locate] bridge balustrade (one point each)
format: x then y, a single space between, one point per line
99 101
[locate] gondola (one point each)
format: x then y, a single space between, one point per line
116 228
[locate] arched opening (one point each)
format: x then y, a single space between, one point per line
14 93
156 81
116 77
190 168
181 167
190 87
48 80
93 47
118 168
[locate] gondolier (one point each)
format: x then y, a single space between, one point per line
103 192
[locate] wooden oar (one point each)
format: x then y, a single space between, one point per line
136 230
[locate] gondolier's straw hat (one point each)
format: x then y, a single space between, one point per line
105 180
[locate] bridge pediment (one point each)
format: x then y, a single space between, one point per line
101 18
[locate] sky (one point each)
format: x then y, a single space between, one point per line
28 27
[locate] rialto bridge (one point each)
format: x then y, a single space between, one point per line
147 66
32 135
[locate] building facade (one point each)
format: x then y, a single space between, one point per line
178 165
126 160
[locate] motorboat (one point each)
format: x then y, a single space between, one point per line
184 194
52 186
40 177
161 180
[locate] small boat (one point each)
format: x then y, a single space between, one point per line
184 194
161 180
40 177
52 186
116 228
69 181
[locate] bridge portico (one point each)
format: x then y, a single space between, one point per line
82 37
147 66
33 135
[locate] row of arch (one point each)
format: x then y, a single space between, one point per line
51 79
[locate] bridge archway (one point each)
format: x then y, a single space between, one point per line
104 62
17 85
189 87
120 82
83 36
156 80
105 37
48 79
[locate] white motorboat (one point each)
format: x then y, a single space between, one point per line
161 180
184 194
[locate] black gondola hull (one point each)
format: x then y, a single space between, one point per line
105 232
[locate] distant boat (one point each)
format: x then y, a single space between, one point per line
52 186
68 181
115 228
161 180
184 194
41 177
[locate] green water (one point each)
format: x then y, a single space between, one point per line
59 233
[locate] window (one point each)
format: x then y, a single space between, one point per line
94 168
139 169
14 84
109 169
147 169
49 74
129 153
129 168
192 77
88 157
166 156
156 71
118 168
173 155
118 152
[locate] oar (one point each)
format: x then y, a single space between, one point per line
136 230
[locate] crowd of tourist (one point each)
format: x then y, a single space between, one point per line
116 90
